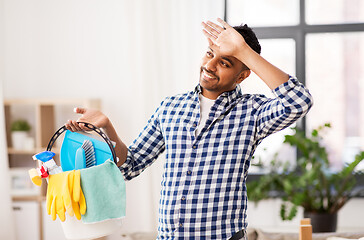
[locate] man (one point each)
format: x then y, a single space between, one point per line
209 136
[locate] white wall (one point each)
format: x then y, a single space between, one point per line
130 54
6 213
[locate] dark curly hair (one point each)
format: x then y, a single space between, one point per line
249 36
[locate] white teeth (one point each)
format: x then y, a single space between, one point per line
208 75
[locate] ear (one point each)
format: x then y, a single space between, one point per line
244 74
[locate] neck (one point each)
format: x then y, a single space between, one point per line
209 95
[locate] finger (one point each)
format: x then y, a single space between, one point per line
54 216
76 186
76 125
60 209
215 26
79 110
68 205
70 181
67 126
76 209
66 196
209 37
70 126
211 43
82 203
210 30
49 203
83 126
73 126
224 24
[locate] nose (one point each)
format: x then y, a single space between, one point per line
211 65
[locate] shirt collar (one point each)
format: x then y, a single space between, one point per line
230 95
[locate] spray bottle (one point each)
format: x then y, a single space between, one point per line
46 166
46 158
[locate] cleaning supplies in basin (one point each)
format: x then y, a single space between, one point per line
36 175
46 166
104 212
47 158
104 190
80 159
89 153
64 194
73 141
85 155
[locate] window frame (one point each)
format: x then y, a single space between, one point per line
298 33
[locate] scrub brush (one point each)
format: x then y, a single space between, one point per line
90 157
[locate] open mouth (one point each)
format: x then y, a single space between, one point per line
208 76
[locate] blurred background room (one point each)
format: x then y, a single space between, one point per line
125 56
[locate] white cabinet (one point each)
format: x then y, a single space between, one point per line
26 220
45 116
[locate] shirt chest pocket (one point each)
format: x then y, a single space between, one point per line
175 128
231 133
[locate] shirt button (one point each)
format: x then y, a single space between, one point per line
181 225
194 125
183 198
194 147
189 172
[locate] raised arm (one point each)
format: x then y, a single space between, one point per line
231 43
292 100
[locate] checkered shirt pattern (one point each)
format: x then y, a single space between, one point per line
203 192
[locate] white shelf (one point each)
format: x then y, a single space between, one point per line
42 114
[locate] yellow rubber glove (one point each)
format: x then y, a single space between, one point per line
58 195
78 199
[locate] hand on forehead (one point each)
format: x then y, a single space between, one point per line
212 30
224 37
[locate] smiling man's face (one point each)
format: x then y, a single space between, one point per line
220 73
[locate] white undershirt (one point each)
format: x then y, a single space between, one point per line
205 107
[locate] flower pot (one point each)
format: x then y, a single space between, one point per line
18 139
322 222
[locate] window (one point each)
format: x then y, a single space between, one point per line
322 43
334 12
279 51
282 53
342 76
263 12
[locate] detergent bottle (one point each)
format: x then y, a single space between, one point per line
46 158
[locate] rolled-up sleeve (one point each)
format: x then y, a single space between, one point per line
292 102
145 149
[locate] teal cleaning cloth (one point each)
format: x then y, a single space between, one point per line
104 190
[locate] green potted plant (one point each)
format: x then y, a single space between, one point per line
19 133
310 184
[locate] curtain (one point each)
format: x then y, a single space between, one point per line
167 54
6 213
129 54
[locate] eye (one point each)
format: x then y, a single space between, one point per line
225 64
209 54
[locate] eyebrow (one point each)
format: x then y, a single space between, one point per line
225 58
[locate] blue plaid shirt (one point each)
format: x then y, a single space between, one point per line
203 192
